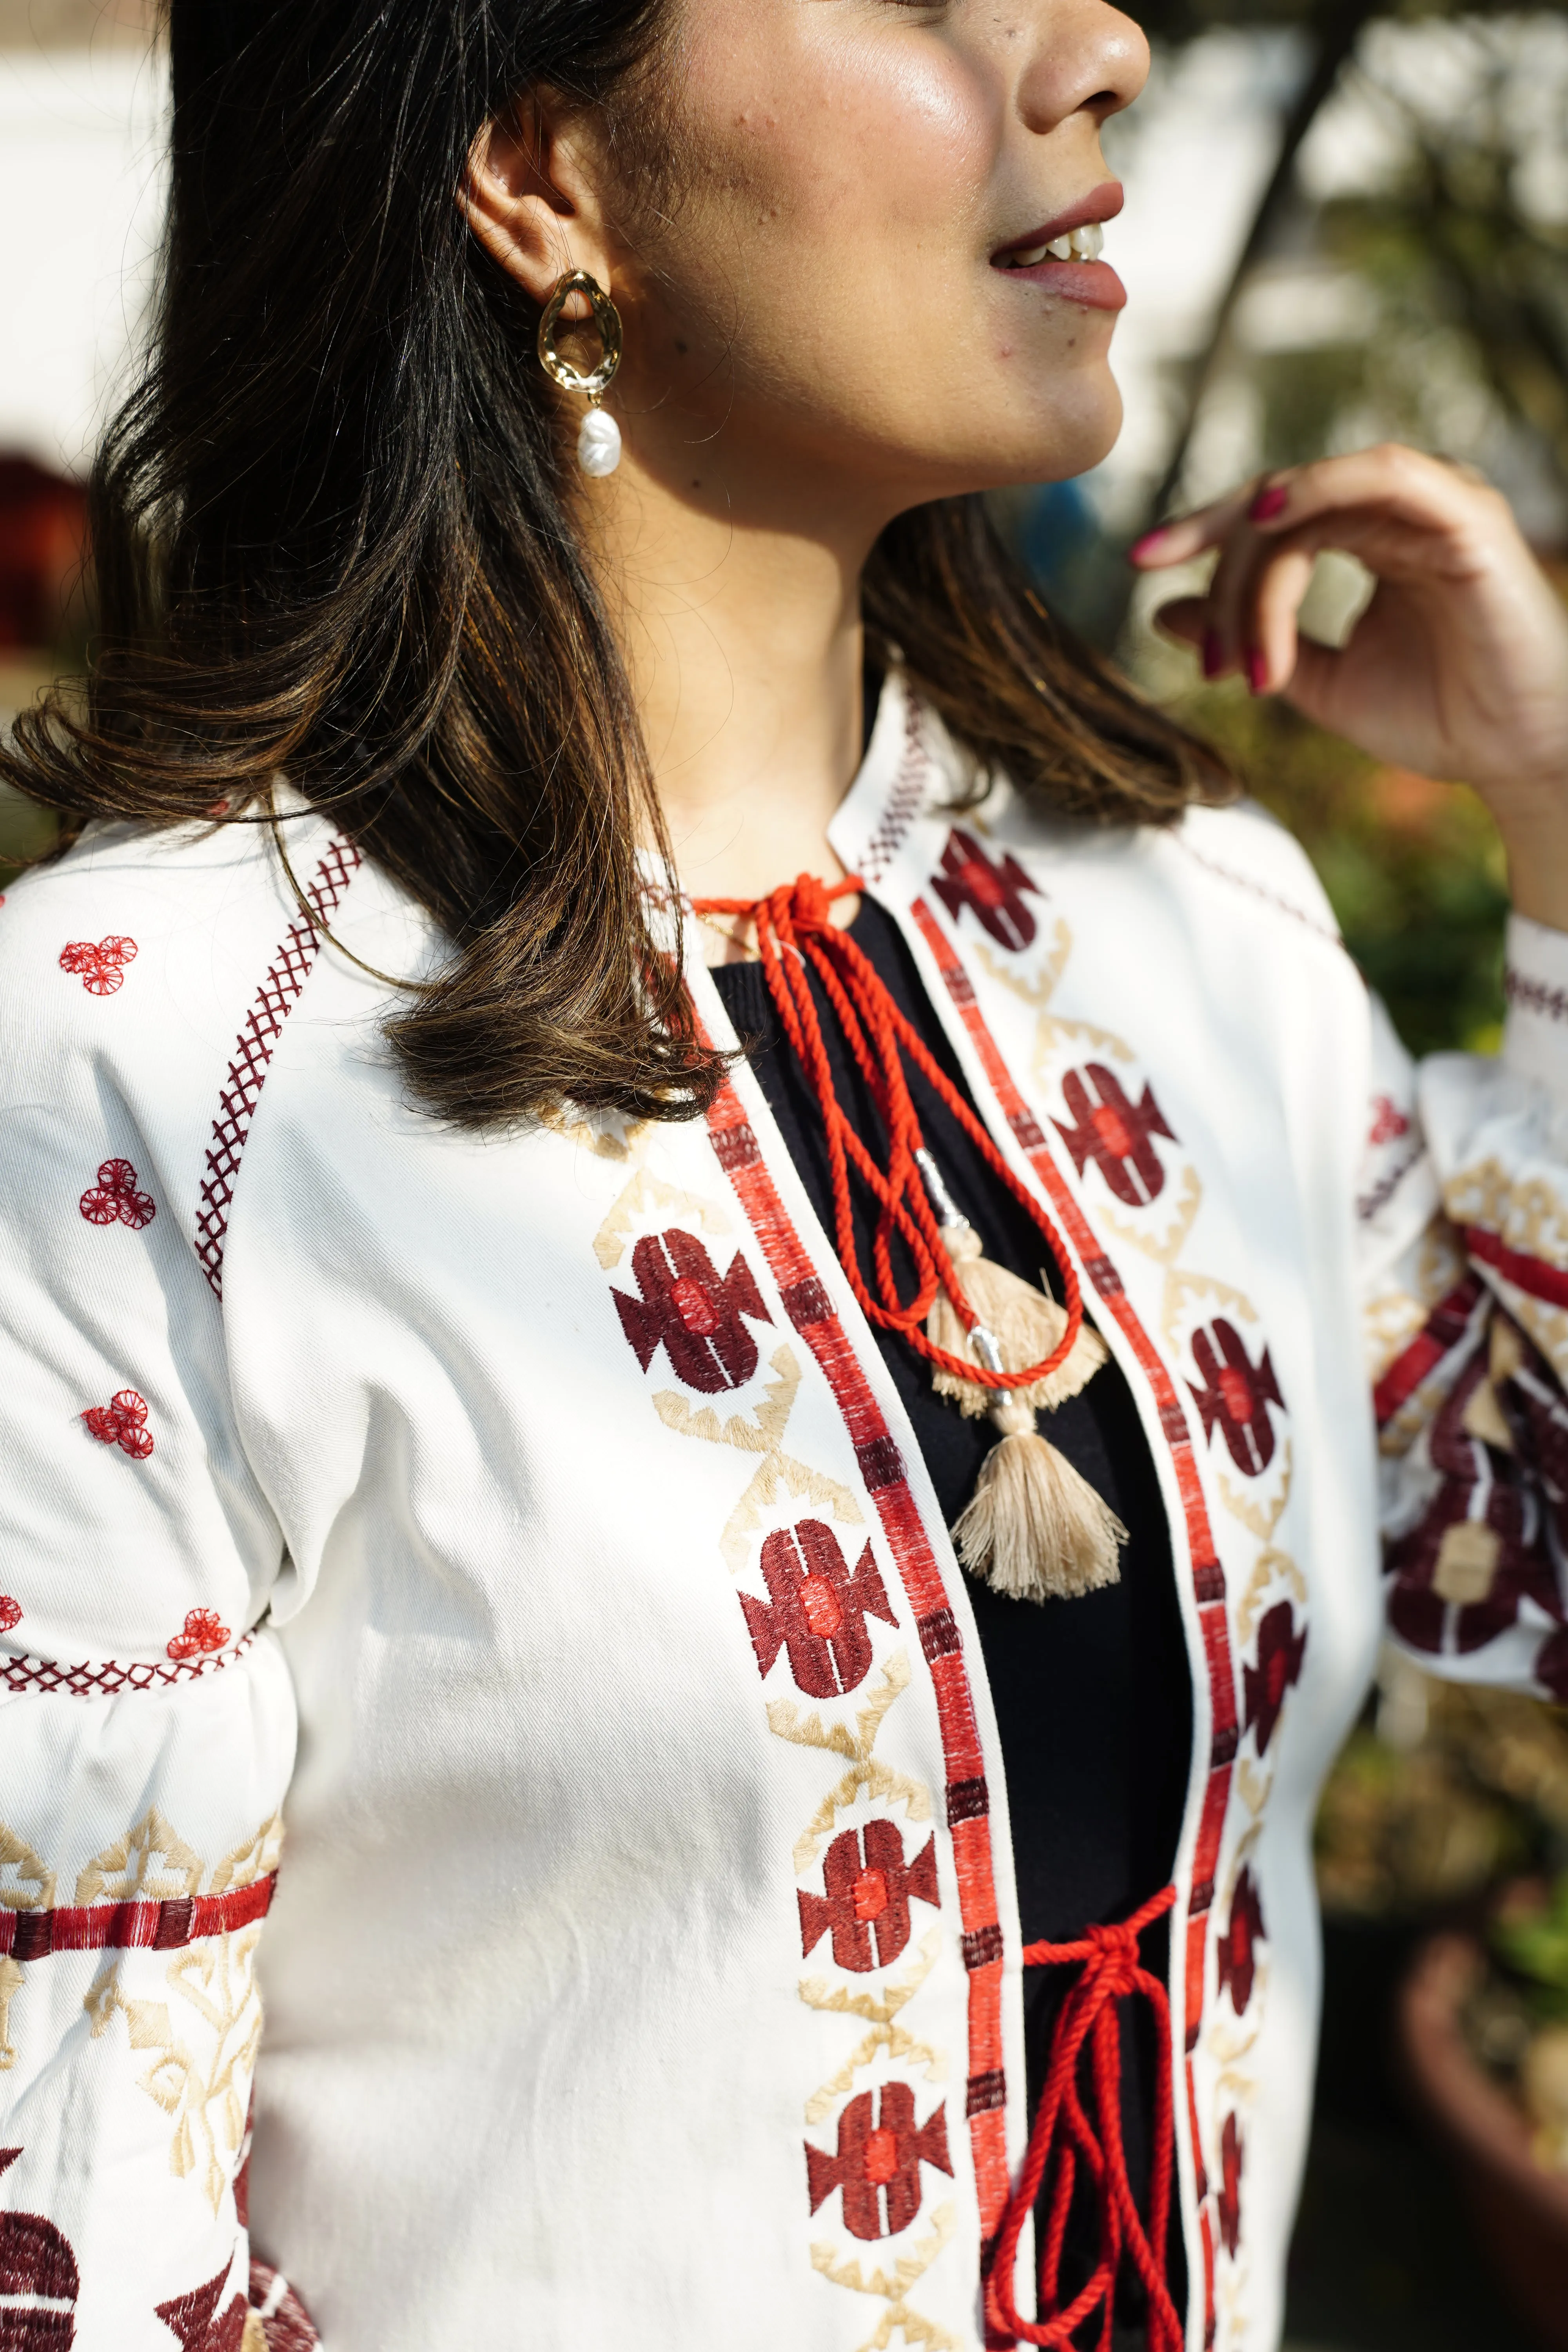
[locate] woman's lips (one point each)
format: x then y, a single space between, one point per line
1093 283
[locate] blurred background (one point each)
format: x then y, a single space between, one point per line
1345 221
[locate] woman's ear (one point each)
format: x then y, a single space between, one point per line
529 200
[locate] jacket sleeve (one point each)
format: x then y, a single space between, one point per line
146 1720
1463 1224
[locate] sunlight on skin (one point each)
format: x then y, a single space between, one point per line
821 332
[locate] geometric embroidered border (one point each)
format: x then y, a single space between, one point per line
164 1926
254 1047
107 1678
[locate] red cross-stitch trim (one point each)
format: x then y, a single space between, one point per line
107 1678
253 1050
1447 1325
165 1927
882 1468
1208 1577
1533 1276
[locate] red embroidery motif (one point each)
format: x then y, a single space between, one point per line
1235 1396
203 1631
122 1422
878 2165
105 1677
255 1045
1115 1133
10 1613
815 1609
1390 1122
38 2269
698 1317
286 2325
164 1926
869 1895
994 893
116 1199
1229 2197
196 2320
1237 1947
102 966
1280 1649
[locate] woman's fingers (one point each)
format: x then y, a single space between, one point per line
1247 620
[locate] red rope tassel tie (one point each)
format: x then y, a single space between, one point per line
1065 2134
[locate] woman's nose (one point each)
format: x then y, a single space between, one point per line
1086 57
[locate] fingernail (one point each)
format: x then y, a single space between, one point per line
1267 504
1257 672
1142 547
1214 653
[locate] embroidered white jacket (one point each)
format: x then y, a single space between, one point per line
528 1522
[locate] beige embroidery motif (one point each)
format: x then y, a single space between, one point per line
893 2285
759 1432
33 1888
1527 1215
867 1775
11 1982
647 1191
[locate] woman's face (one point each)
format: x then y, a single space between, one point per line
841 292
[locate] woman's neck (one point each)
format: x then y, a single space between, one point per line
745 650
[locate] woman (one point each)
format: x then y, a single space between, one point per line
465 1407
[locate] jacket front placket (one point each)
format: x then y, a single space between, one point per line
1079 1118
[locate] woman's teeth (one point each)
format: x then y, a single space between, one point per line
1085 244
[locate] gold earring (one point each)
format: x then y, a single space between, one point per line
598 436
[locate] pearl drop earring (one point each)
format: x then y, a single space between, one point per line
598 436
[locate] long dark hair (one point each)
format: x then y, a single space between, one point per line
331 541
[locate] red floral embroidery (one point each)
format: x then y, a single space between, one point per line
870 1889
1235 1396
115 1200
101 965
122 1422
815 1609
1238 1947
196 2319
1390 1122
878 2165
1229 2197
697 1316
1280 1649
994 893
1115 1133
10 1613
203 1631
36 2261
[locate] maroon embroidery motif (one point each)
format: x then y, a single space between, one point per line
255 1045
1115 1133
1238 1947
285 2323
868 1894
1280 1649
1235 1396
1229 2197
106 1677
102 966
10 1613
203 1630
815 1610
994 893
122 1422
683 1303
195 2318
116 1201
1389 1122
878 2162
38 2269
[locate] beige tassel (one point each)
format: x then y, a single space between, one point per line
1034 1529
1026 1324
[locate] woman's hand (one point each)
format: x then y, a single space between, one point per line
1457 668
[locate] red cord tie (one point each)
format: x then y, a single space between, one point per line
795 928
1063 2129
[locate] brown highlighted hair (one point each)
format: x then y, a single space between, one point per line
333 540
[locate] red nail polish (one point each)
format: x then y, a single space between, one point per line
1267 504
1257 672
1140 547
1214 653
